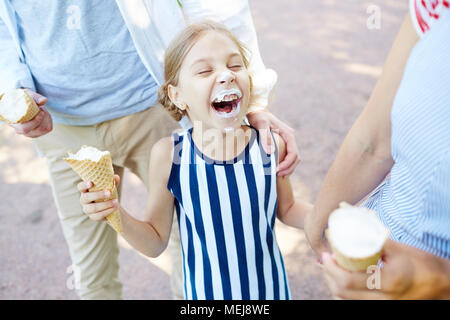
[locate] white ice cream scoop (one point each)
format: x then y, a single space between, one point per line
356 236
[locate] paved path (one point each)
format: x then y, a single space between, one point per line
327 62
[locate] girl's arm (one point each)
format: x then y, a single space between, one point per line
151 234
364 158
291 211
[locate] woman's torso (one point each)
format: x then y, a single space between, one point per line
414 201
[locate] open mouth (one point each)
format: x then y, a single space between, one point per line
227 103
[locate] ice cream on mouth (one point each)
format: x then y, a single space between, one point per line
226 103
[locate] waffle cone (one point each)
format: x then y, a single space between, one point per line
101 173
350 263
32 109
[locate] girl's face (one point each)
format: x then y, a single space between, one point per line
214 84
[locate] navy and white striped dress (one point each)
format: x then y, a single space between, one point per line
226 213
414 201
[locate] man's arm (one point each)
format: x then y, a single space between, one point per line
364 158
14 74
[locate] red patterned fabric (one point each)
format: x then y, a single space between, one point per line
425 13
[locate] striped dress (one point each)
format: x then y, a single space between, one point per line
226 213
414 201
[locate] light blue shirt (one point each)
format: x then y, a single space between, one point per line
414 201
81 57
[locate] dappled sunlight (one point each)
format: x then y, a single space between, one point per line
19 161
364 69
340 55
290 240
163 262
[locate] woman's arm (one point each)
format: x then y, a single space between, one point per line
364 159
291 210
151 234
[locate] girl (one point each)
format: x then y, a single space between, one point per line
216 175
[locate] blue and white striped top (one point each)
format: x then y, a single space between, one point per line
226 213
414 201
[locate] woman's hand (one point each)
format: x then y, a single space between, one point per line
407 273
264 121
97 211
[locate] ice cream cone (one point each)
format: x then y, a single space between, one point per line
364 240
101 173
353 264
16 106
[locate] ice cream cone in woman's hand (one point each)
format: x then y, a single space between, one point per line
356 236
16 106
94 165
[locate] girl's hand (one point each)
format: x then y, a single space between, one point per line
97 211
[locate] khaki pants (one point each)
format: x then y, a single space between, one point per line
93 246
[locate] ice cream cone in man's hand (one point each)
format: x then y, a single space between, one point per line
17 106
99 196
24 110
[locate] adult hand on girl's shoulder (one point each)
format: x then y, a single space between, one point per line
281 145
407 273
263 121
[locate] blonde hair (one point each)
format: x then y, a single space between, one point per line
177 51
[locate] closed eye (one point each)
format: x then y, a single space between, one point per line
236 67
204 71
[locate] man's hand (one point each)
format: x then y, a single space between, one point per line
264 121
41 124
407 273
